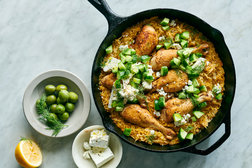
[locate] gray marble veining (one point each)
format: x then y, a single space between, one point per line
39 35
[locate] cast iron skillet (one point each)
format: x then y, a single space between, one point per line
117 25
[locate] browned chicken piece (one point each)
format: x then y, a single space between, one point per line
202 49
174 81
163 57
142 117
181 106
108 80
146 40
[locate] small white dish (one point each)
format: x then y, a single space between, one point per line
77 149
35 90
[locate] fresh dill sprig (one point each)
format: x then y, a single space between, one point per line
52 123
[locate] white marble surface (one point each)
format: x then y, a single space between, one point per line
39 35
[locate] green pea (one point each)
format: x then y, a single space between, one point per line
60 109
53 108
73 97
63 95
60 87
53 116
50 99
64 116
49 89
69 107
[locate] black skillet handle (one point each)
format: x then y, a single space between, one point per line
112 18
218 143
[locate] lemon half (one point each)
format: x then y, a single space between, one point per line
28 154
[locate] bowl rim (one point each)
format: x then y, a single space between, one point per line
57 73
92 127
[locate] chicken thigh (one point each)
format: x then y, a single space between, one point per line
146 41
141 117
108 80
181 106
163 57
174 81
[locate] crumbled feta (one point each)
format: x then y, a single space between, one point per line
161 38
113 96
101 158
150 72
99 139
146 85
207 62
172 23
128 92
217 88
158 74
186 117
199 62
152 132
169 95
189 82
176 46
86 146
157 113
126 81
161 91
184 120
123 47
110 64
86 155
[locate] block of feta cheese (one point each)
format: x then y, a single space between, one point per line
99 139
101 158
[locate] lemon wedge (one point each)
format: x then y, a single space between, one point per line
28 154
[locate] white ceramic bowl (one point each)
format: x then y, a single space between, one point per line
77 149
35 90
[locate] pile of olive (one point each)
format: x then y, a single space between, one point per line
60 101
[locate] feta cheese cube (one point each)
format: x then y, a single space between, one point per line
102 158
86 146
86 155
99 139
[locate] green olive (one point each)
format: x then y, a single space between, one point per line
63 95
50 99
49 89
59 101
60 87
73 97
60 108
69 107
64 116
53 115
38 101
53 108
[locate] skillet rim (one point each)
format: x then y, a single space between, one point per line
225 118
